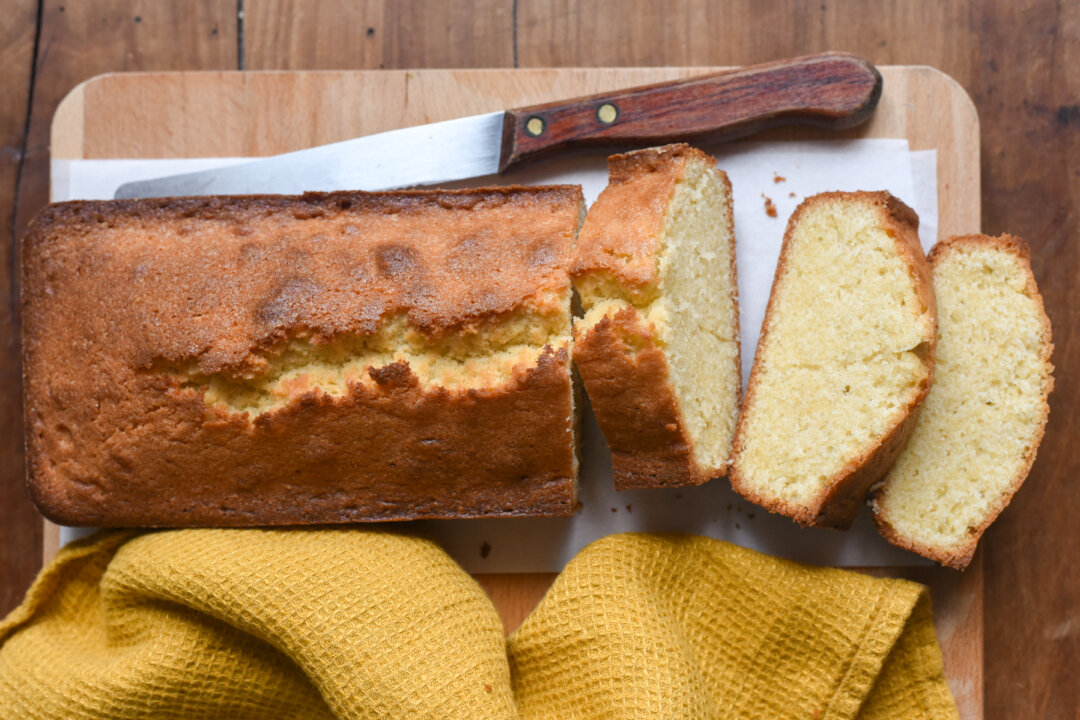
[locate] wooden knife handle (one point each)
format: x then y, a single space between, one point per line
832 90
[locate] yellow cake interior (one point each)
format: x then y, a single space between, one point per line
483 354
986 407
692 308
843 353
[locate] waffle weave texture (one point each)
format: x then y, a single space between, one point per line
354 623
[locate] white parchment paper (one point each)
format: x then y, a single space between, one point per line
782 172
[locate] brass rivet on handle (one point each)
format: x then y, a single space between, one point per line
534 126
607 113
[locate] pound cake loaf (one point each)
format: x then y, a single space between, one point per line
658 348
325 358
977 435
845 359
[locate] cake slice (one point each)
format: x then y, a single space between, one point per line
845 359
984 418
658 348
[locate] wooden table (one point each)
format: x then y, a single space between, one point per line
1017 59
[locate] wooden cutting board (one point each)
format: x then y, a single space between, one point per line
228 114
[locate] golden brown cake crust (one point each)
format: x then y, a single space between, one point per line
623 367
960 558
627 378
848 488
115 291
622 235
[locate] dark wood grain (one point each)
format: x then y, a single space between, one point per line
20 526
79 40
1016 58
370 34
831 90
1028 93
553 33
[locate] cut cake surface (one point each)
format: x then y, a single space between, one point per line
980 428
844 361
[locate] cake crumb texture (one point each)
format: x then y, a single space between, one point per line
979 430
844 361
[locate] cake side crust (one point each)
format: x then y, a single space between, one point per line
621 239
393 451
626 375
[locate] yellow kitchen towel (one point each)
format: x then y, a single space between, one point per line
355 623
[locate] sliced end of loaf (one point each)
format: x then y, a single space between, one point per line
658 348
844 361
979 430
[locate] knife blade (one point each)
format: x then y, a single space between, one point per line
832 90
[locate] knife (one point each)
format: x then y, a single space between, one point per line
831 90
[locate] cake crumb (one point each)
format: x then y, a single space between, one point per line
778 178
791 194
770 206
485 549
614 510
749 516
738 527
629 508
729 507
487 686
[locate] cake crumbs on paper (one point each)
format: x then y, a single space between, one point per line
791 194
629 508
778 178
614 510
738 526
770 206
485 549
